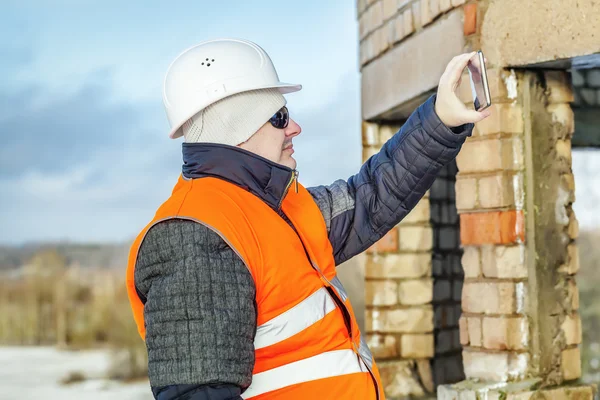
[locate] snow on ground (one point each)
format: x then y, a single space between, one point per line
32 373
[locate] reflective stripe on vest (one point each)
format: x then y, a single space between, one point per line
310 310
321 366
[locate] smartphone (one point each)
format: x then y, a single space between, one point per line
479 82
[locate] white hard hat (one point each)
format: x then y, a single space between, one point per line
213 70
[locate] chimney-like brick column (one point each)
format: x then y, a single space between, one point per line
519 326
399 292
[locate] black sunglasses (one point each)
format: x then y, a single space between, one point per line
281 118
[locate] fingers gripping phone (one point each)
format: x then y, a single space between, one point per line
479 82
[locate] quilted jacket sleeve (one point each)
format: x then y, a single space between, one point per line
199 311
360 211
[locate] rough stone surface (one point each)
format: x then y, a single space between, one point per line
399 379
519 33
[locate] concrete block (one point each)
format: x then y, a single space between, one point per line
504 261
445 5
417 291
572 329
474 327
471 261
498 367
498 191
419 214
414 238
466 193
457 286
381 293
571 364
404 266
505 333
491 155
370 134
489 297
417 345
442 290
408 22
504 118
383 346
411 320
389 9
463 330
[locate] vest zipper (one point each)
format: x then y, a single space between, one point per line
287 187
336 299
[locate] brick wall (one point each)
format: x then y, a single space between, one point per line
384 24
514 195
399 292
448 278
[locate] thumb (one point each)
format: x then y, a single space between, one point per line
472 116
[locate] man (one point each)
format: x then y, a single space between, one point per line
233 283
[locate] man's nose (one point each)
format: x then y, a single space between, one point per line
293 129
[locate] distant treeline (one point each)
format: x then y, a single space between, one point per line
83 255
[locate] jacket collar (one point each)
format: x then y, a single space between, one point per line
263 178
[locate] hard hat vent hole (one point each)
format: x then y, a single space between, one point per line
208 61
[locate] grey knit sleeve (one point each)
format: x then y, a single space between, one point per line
200 307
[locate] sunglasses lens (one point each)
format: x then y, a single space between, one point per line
280 119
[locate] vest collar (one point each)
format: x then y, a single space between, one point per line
263 178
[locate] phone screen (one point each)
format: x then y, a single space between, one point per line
479 85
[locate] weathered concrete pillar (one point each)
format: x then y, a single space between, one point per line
519 326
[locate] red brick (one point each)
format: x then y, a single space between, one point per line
497 227
387 244
470 24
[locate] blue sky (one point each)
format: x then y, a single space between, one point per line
84 152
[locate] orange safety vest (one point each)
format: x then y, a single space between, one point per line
307 342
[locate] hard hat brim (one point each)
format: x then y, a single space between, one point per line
283 88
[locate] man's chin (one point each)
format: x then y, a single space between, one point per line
289 162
